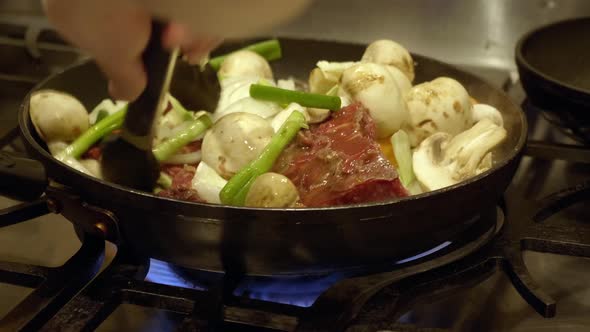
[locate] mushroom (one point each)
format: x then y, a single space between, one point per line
387 52
442 160
58 116
263 109
208 183
484 111
235 140
272 190
245 64
439 105
373 86
235 97
402 81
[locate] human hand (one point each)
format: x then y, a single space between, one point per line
115 33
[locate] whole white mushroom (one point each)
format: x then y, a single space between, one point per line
58 116
373 86
441 105
272 190
235 140
402 81
245 64
387 52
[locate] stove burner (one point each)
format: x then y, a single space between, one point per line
301 291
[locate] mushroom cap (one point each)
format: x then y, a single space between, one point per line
235 97
402 81
388 52
245 63
373 86
234 141
58 116
272 190
441 105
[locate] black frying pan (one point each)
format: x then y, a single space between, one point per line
273 241
554 66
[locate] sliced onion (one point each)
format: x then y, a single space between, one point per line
185 158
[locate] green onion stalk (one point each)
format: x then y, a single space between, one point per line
284 96
269 49
236 189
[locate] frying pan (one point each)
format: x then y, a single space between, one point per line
554 66
275 241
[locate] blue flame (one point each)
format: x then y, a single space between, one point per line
301 291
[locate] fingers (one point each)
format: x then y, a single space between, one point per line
193 48
127 77
195 51
113 32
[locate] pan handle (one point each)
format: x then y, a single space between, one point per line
21 178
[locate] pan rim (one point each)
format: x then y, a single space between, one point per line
521 59
514 153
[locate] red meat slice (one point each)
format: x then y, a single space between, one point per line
181 188
340 162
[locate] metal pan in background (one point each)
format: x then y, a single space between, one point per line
278 241
554 66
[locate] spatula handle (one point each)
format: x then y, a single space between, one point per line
141 113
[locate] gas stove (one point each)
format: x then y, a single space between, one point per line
524 271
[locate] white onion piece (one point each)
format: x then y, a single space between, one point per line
184 158
75 164
208 183
288 84
282 116
106 105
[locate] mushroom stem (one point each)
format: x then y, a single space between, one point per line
442 160
471 146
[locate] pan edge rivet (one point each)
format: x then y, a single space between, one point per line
53 205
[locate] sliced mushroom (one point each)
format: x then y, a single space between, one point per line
387 52
484 111
58 116
442 160
272 190
373 86
442 105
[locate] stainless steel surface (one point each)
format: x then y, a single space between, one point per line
468 32
479 35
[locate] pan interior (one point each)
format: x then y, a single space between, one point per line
299 57
562 52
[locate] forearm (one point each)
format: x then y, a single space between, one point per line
227 18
